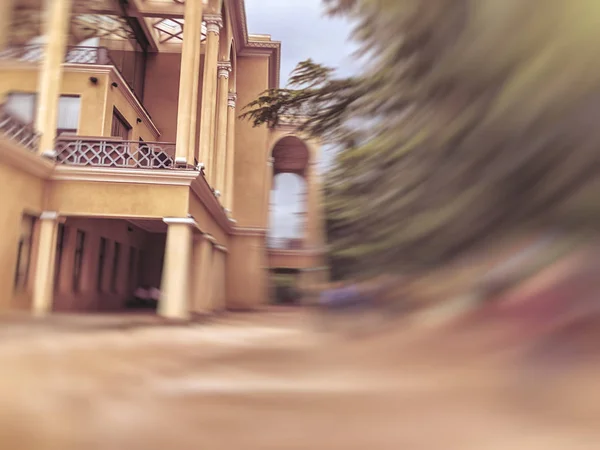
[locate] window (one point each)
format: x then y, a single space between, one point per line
23 107
60 244
24 251
115 268
78 263
120 127
69 108
101 265
131 270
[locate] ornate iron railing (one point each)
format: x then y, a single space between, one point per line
98 152
28 53
88 55
16 130
74 55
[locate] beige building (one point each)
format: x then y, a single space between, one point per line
123 162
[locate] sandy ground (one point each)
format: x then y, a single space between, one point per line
270 381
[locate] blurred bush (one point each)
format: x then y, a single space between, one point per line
471 119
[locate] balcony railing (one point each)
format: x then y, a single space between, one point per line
98 152
286 244
16 130
88 55
75 54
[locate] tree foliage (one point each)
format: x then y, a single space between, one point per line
470 118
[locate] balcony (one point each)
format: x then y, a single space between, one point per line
18 131
114 153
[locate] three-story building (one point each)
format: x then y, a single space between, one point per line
123 162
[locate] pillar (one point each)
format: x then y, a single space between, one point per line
201 274
315 221
43 282
50 77
188 84
209 94
230 163
175 288
193 149
6 17
268 191
224 69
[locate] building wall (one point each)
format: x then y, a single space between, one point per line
97 100
30 190
118 199
24 78
247 273
115 99
161 92
152 260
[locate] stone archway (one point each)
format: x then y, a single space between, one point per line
291 158
304 255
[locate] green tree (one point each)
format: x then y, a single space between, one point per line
471 118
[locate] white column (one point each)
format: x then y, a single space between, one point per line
214 23
6 17
44 272
190 63
230 164
50 77
175 287
221 129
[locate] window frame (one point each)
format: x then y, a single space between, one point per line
100 270
115 267
21 279
80 239
118 117
60 247
69 131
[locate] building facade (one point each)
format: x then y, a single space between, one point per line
123 161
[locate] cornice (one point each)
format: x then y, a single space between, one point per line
304 252
221 248
249 231
120 175
248 47
20 158
203 191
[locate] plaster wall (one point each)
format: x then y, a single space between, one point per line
86 198
247 273
97 100
24 194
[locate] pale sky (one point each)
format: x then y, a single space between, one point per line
305 33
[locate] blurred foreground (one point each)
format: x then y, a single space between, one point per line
269 381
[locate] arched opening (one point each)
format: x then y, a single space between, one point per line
287 213
287 209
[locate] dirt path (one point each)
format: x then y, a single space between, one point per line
267 381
